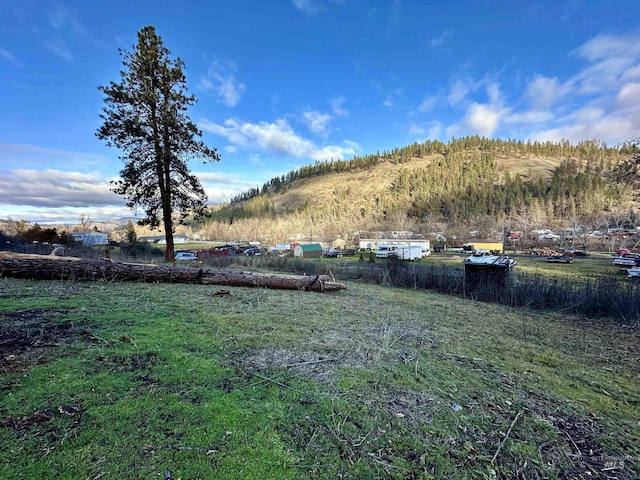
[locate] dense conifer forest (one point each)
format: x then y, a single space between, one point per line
423 183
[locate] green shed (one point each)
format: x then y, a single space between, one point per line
308 250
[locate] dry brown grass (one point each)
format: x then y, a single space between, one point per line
375 181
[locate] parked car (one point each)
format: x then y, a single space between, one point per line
186 257
253 252
627 260
332 252
559 259
623 251
575 252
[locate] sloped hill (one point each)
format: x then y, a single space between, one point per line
463 179
377 181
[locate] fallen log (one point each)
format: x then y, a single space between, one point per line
37 267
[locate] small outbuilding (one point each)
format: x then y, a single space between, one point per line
308 250
486 275
89 239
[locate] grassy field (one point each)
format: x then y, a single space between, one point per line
581 268
128 381
595 265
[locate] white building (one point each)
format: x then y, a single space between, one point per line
372 243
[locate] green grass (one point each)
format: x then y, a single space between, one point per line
581 268
284 384
593 266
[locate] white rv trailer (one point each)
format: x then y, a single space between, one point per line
400 250
389 250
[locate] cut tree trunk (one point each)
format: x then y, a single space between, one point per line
37 267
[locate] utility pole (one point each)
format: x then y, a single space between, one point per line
505 233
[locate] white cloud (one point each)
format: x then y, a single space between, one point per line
482 119
336 107
430 132
64 19
416 129
255 159
277 137
64 215
629 95
440 40
26 156
571 7
316 122
529 117
594 123
391 99
427 104
5 54
58 47
54 195
219 178
275 103
602 100
585 115
221 79
221 188
458 91
435 130
601 130
65 29
542 92
631 73
308 7
609 58
608 46
493 93
336 152
55 188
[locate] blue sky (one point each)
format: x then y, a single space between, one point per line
284 83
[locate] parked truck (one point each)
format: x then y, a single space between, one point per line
493 247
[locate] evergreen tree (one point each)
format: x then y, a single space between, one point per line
628 171
130 232
145 117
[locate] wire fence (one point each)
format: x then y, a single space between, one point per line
606 296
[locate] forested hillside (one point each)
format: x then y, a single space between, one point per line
426 185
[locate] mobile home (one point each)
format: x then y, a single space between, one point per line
374 243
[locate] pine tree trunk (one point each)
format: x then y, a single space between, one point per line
36 267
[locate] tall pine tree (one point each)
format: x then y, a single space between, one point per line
145 116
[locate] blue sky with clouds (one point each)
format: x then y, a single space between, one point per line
284 83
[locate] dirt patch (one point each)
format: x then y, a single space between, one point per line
308 364
413 406
51 426
136 362
576 452
579 455
24 422
25 335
